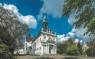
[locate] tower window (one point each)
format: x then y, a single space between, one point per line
44 37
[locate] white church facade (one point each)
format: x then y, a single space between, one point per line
45 42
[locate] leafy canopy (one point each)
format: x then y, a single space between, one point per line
85 13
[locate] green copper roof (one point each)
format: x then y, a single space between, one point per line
44 20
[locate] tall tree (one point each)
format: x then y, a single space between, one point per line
11 30
70 42
85 13
91 50
4 51
80 48
61 48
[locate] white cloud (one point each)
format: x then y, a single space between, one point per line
81 41
28 19
76 40
72 19
79 33
53 7
73 30
61 38
11 7
71 34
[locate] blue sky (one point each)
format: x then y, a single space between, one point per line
31 11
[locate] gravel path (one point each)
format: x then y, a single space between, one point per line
52 57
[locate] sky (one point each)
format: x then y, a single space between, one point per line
31 12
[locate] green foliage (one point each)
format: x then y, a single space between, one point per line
90 51
61 48
6 38
70 42
4 52
69 47
72 50
85 13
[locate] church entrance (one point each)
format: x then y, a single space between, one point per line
50 49
45 49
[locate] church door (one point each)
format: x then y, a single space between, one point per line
50 49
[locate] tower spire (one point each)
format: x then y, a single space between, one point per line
44 11
44 8
45 20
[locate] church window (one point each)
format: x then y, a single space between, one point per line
44 45
40 48
44 37
40 39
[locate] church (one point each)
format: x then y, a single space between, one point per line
45 42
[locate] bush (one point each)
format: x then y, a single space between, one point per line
72 50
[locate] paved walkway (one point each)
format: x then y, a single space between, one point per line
52 57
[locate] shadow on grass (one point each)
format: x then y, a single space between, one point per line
44 58
72 58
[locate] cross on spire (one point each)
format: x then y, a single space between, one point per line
44 8
44 11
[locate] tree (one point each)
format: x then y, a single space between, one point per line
70 42
72 50
6 38
79 47
61 48
69 47
91 50
4 51
11 29
85 13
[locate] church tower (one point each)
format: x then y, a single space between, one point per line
45 19
45 42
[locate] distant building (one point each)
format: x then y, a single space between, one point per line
85 47
24 47
45 42
28 44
